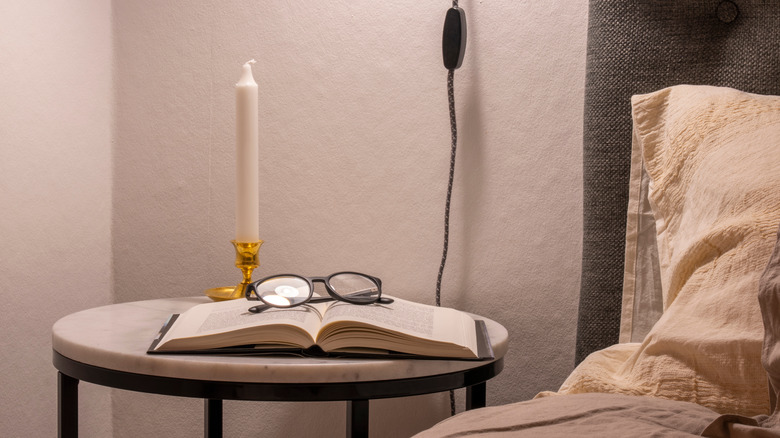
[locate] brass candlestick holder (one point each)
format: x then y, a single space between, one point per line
246 261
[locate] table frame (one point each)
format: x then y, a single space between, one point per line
356 394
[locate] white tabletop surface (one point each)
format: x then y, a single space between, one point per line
117 337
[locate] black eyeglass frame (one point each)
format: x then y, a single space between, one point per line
333 295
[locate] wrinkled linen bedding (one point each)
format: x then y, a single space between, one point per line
618 415
712 155
602 415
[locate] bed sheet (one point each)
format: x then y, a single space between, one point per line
580 415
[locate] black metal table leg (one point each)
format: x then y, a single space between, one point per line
212 427
67 406
476 396
357 418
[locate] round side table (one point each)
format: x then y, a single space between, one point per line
107 346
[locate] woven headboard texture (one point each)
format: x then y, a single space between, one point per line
636 47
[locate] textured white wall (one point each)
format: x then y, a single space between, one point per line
55 196
354 160
354 157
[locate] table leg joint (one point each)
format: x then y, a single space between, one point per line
212 426
357 418
476 396
67 406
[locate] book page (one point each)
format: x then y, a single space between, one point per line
205 325
439 324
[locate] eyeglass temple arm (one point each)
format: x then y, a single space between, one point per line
249 289
382 300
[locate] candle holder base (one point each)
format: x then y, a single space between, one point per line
246 261
225 293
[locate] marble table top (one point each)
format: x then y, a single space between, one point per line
117 337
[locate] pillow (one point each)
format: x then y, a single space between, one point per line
712 157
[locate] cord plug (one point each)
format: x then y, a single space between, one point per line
453 41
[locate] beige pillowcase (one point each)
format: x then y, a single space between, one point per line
713 159
642 291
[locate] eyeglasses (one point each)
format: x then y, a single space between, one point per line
290 290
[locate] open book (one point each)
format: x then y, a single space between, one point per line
403 328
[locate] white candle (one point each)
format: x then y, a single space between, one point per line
247 192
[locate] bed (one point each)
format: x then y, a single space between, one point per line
679 320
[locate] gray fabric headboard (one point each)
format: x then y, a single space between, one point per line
635 47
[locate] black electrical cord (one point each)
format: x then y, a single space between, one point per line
453 150
448 202
453 48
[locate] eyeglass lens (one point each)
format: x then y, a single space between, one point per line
354 288
284 291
